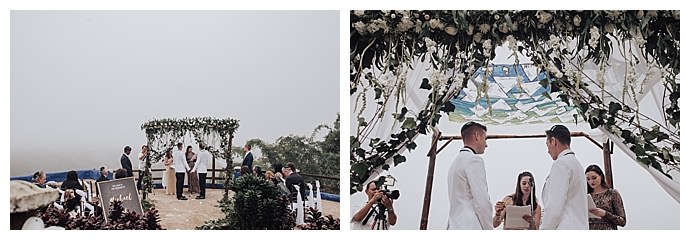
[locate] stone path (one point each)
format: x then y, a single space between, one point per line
187 215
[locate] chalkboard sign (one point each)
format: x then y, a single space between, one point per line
124 190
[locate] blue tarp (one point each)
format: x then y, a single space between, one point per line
94 174
61 176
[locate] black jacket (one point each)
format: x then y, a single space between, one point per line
296 179
127 165
248 160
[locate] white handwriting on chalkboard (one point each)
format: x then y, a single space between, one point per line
117 186
121 198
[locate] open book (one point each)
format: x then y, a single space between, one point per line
590 205
514 218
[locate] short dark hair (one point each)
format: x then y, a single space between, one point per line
292 167
101 169
249 147
201 146
179 144
120 173
127 148
143 146
471 127
560 133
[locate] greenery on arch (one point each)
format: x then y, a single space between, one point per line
384 45
163 134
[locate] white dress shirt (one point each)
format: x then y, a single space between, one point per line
357 225
142 162
468 193
180 161
202 162
565 195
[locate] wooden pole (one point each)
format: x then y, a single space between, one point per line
429 181
607 163
228 167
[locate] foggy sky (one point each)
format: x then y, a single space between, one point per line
83 82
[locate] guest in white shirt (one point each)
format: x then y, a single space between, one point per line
142 164
200 167
181 167
468 192
565 190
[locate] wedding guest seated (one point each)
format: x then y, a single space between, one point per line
120 173
71 182
244 170
258 172
39 179
104 175
69 186
269 175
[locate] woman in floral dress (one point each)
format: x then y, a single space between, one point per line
609 203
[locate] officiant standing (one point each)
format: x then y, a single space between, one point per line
523 196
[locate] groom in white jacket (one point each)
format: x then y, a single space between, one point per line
468 193
565 190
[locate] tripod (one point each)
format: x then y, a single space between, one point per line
380 218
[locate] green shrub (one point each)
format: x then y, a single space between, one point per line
256 205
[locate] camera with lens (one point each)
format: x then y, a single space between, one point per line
390 182
394 194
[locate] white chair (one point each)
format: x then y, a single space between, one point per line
310 196
84 202
319 207
300 208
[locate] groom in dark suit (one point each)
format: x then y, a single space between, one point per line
126 163
248 157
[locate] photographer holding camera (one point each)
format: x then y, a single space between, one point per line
377 213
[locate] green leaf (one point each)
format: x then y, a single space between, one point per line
544 83
448 107
398 159
614 107
385 167
354 143
359 168
411 146
425 84
409 123
648 136
627 135
361 121
403 111
564 98
360 152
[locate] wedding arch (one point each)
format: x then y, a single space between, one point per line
588 66
163 134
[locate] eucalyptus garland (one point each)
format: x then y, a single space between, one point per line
164 134
384 45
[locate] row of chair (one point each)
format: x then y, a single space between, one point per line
85 206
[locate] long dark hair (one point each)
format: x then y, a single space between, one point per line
596 169
517 196
72 175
